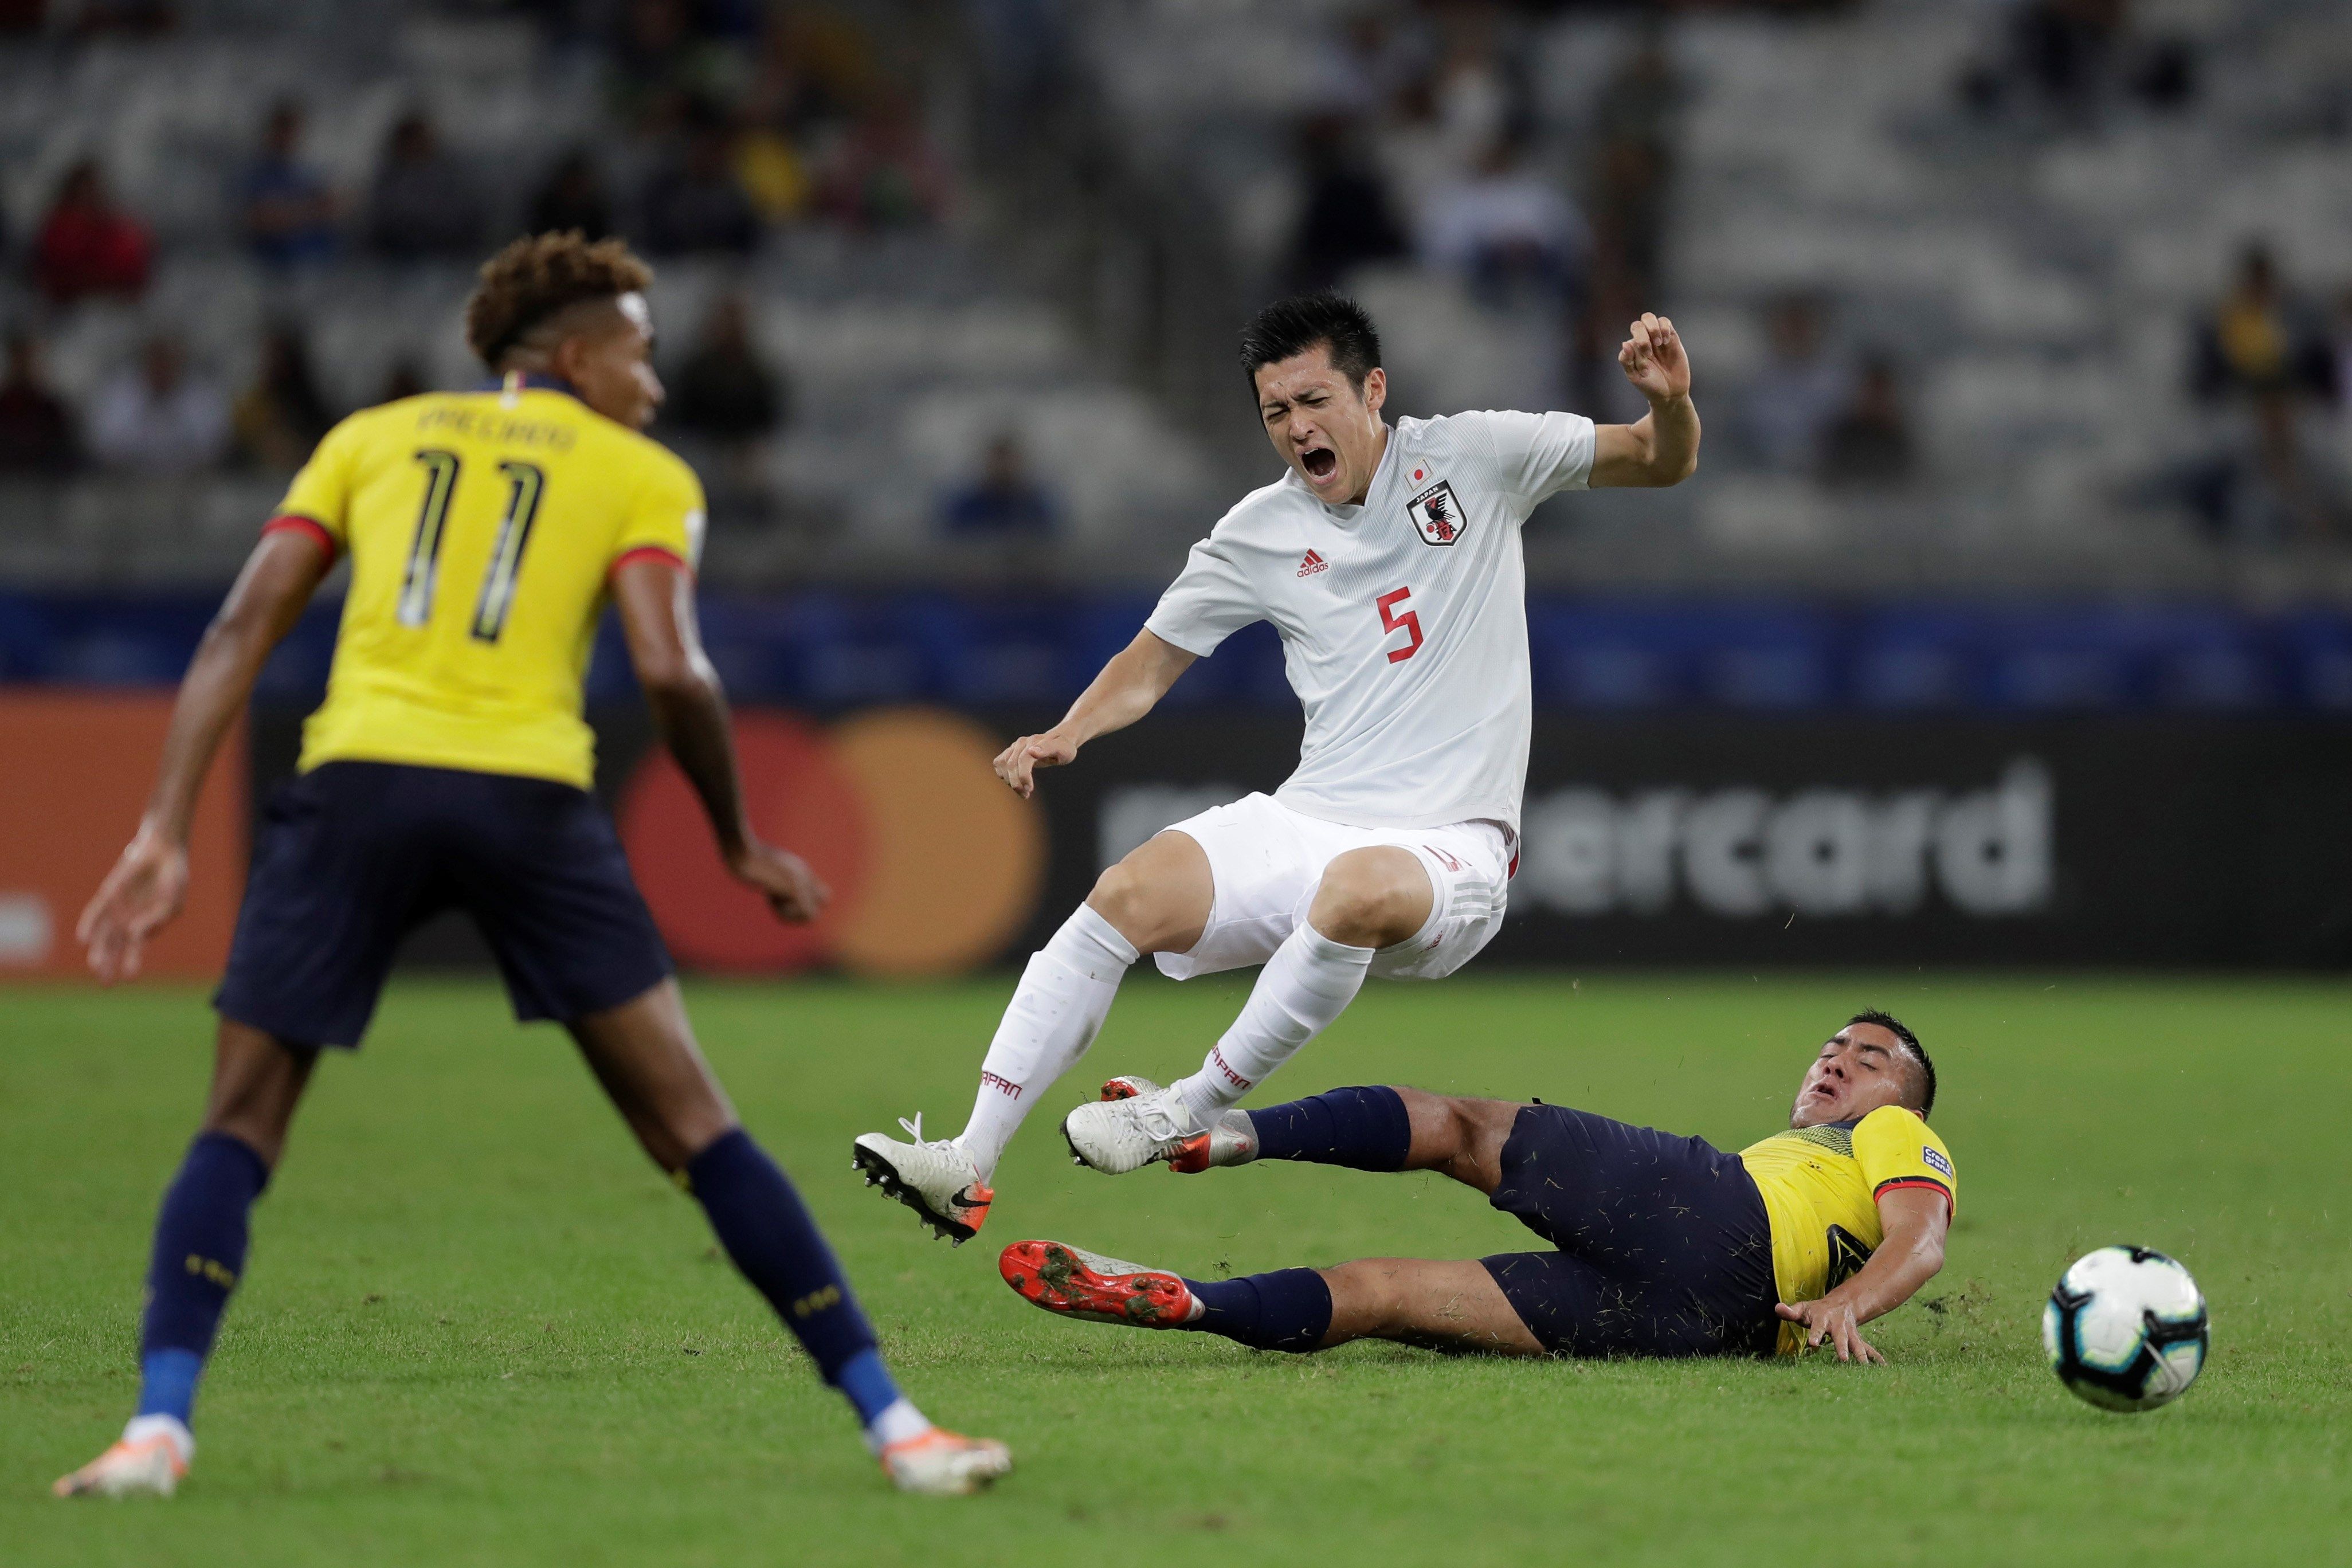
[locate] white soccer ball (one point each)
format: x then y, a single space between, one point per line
2125 1329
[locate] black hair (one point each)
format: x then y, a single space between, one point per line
1895 1027
1293 325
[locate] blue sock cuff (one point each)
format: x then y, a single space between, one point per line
867 1384
1364 1129
167 1382
240 1159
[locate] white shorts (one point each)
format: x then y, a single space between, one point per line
1266 861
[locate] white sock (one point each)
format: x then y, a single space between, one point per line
1056 1011
1308 983
899 1421
171 1427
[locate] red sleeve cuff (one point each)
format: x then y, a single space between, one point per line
1929 1183
649 553
295 522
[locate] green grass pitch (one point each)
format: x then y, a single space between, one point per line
477 1328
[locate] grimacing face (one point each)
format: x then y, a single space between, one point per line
1329 433
1862 1066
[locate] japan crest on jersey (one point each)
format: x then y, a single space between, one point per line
1437 515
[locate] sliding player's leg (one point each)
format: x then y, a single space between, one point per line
1369 1128
644 1054
199 1255
1157 900
1366 899
1445 1305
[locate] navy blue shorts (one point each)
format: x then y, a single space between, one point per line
351 857
1664 1247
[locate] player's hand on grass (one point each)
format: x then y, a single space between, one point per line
1653 359
138 898
1836 1323
793 890
1018 764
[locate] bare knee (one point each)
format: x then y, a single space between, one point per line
1159 896
258 1082
642 1053
1366 1296
1460 1136
1372 898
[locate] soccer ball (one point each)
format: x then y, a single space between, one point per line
2125 1329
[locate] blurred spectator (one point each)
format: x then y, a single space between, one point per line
2272 487
1004 502
2070 55
135 17
573 197
1506 229
692 202
1359 71
37 429
1799 393
884 175
88 246
721 389
404 379
422 201
1870 442
288 211
157 418
665 61
1634 171
1346 219
2259 339
280 417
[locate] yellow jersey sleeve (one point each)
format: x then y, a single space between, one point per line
319 501
1896 1149
666 513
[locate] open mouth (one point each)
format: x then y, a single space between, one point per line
1320 462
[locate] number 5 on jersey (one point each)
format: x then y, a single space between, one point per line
1409 622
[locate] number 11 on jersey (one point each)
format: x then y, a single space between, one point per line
1409 622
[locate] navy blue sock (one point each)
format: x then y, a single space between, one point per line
1363 1128
1289 1310
766 1230
200 1239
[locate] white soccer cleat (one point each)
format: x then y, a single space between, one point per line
941 1463
152 1455
932 1176
1135 1124
1231 1141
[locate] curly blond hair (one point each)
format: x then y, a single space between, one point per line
538 275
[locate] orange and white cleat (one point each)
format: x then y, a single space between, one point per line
1232 1140
932 1176
151 1459
941 1463
1076 1283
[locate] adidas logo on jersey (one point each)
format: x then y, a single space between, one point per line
1311 563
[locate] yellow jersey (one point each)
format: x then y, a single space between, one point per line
1821 1188
483 530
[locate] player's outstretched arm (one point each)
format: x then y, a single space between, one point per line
655 601
1661 447
1135 680
150 882
1916 1219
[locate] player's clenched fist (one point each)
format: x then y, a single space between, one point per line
1018 764
1653 359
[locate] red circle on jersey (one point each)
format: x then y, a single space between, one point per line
797 795
1418 472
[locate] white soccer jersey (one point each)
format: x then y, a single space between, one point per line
1404 621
